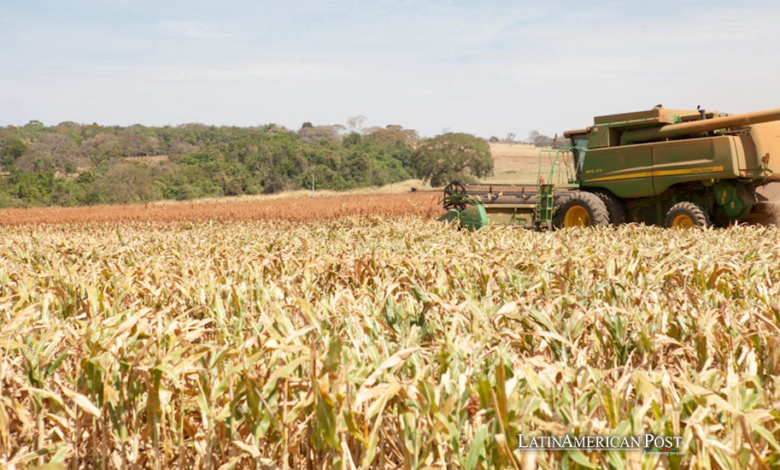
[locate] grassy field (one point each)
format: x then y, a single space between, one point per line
519 163
384 342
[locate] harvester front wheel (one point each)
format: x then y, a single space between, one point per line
581 209
617 214
687 215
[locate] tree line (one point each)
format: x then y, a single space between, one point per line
76 164
535 138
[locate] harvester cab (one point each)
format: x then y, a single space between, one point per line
676 168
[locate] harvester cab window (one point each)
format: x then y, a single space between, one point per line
580 145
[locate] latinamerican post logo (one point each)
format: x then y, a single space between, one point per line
650 443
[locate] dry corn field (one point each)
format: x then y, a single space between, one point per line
422 203
376 342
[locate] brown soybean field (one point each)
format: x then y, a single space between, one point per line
384 342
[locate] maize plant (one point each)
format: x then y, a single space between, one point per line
384 342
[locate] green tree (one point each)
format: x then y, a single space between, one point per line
352 140
452 156
10 150
101 149
127 183
323 178
357 169
277 161
70 168
70 163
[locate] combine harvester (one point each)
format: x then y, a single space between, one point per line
660 167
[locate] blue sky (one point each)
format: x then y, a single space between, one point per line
483 67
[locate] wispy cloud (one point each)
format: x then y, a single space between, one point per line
191 29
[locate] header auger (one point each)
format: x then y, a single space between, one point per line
667 167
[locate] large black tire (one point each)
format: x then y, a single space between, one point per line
580 209
617 213
687 215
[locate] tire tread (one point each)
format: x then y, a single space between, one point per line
594 204
699 216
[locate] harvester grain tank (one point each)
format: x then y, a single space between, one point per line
668 167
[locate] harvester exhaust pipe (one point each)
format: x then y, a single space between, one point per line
703 115
683 129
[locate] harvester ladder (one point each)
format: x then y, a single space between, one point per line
545 200
557 177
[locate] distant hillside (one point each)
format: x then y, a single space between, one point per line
73 164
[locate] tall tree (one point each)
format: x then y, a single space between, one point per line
277 160
355 124
452 156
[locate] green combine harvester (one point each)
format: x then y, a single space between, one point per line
661 167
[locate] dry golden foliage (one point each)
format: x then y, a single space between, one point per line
249 208
380 342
